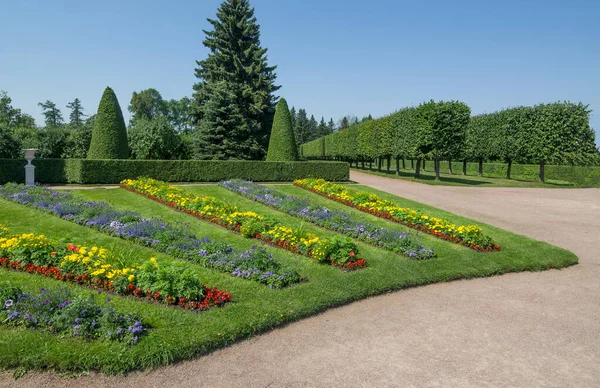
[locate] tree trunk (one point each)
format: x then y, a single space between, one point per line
480 167
389 162
412 164
436 167
450 167
508 169
418 169
464 167
542 172
362 164
424 165
370 164
398 165
379 163
403 164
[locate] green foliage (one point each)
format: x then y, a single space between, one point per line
146 105
282 146
76 116
301 127
441 129
11 117
109 138
239 63
154 139
9 146
52 114
114 171
179 114
79 139
223 133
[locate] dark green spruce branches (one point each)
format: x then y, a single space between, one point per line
233 103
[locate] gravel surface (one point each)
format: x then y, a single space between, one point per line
526 329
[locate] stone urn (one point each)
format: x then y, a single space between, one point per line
30 168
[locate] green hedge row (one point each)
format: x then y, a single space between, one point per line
114 171
555 133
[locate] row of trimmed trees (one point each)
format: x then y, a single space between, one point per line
555 133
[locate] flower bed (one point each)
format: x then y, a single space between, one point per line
60 312
254 264
470 235
337 251
94 266
395 241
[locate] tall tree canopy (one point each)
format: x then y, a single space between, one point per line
76 116
147 104
11 116
52 114
236 59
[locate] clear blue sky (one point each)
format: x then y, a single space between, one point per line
334 57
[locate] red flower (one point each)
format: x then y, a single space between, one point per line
351 254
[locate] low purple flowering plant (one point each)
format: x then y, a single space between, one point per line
404 243
60 312
173 239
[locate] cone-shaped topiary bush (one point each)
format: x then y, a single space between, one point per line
109 138
282 146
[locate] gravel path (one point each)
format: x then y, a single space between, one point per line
526 329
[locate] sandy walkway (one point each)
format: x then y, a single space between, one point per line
528 329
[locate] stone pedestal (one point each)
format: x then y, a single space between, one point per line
30 168
29 174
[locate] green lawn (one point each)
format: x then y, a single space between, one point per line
179 335
457 179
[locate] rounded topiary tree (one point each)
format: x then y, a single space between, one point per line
109 138
282 146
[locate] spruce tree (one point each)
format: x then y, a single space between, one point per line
52 114
323 129
313 128
237 59
213 138
282 145
301 128
109 138
331 126
76 116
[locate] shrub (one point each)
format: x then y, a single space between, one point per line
109 138
114 171
282 146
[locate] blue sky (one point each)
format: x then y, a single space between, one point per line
334 57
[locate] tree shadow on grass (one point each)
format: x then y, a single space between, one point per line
428 177
445 178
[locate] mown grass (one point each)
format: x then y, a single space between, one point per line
178 335
457 179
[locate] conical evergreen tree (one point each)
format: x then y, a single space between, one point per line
282 146
237 59
109 138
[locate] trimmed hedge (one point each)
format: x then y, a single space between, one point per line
114 171
109 138
282 145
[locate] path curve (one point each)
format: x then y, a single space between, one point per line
526 329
